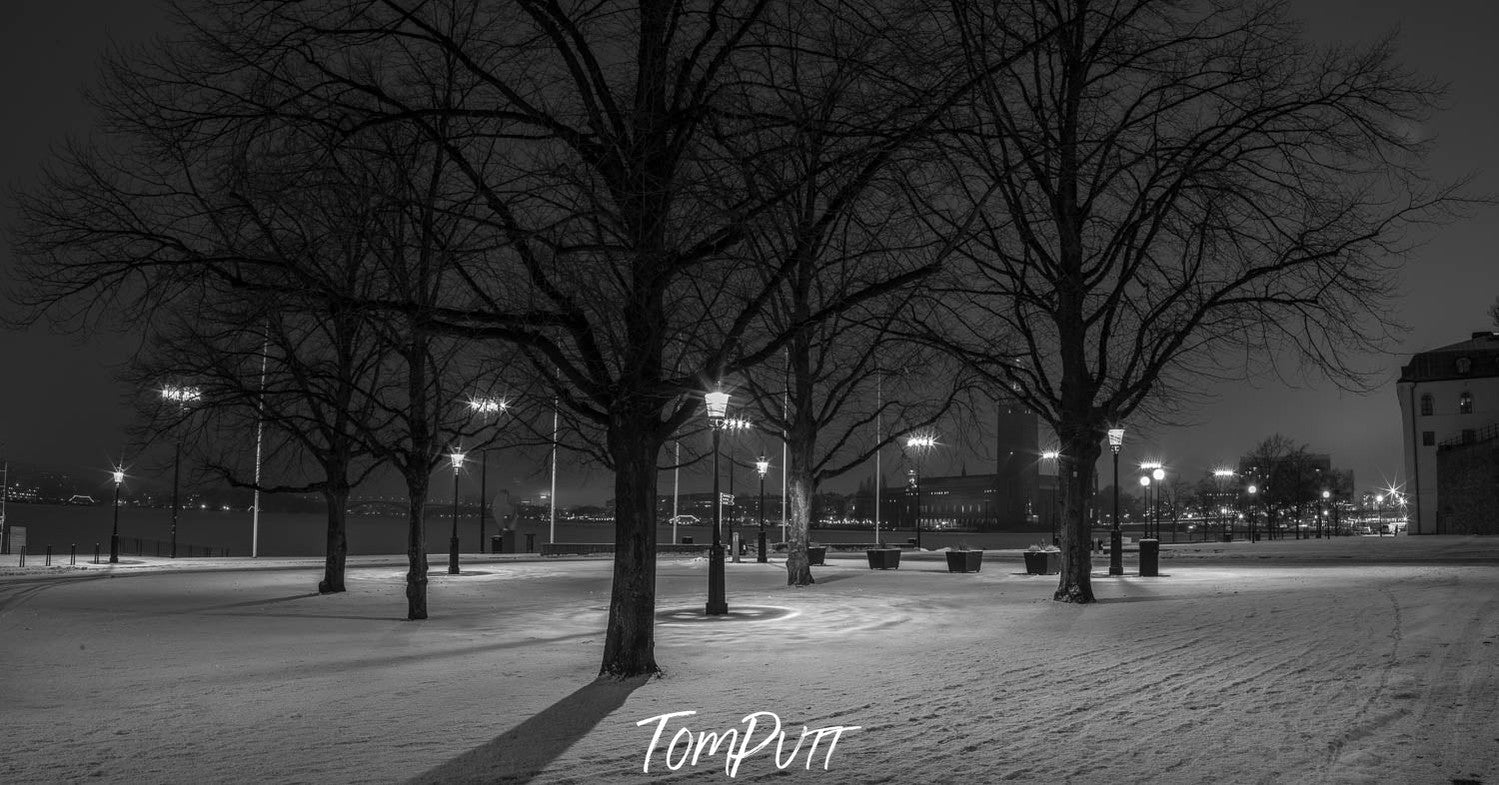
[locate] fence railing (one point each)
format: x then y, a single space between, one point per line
129 546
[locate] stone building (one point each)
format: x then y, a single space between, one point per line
1449 402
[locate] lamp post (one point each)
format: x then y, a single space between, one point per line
1145 488
182 396
114 536
1222 476
1326 500
1054 455
1249 526
1116 544
920 445
717 405
1379 514
484 407
1159 475
457 458
762 466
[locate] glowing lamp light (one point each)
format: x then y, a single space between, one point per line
1253 489
1158 474
457 458
1223 473
718 404
1116 438
182 395
487 405
1144 480
1051 455
119 476
921 442
762 466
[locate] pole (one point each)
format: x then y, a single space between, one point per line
879 391
114 536
1116 542
676 486
259 427
760 557
733 518
176 472
717 604
918 501
552 531
483 493
453 541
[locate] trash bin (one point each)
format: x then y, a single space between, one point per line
686 540
1228 536
1150 558
497 543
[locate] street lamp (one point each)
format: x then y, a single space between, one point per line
1222 476
182 396
718 406
1379 510
1158 475
485 407
1116 543
762 466
733 425
1145 488
920 445
1249 527
1326 499
457 458
1054 455
114 537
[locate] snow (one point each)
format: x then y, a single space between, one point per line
1358 660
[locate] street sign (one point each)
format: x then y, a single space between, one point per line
726 499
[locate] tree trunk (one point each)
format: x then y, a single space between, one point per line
630 642
416 546
1080 451
337 552
799 492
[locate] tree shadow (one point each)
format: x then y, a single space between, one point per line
522 752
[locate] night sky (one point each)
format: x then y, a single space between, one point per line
61 406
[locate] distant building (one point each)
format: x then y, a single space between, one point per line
1449 398
1010 499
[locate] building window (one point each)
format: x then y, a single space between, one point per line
1426 405
1465 403
1428 438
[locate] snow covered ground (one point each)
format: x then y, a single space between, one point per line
1360 660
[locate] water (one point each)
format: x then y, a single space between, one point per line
303 534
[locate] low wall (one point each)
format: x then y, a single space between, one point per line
591 548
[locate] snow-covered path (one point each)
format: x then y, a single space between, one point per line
1358 660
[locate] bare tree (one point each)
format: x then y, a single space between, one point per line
1181 191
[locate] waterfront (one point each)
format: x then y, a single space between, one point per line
302 534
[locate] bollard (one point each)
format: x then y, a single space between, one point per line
73 555
22 563
47 559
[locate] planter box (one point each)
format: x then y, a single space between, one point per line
816 555
884 558
1043 562
964 561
